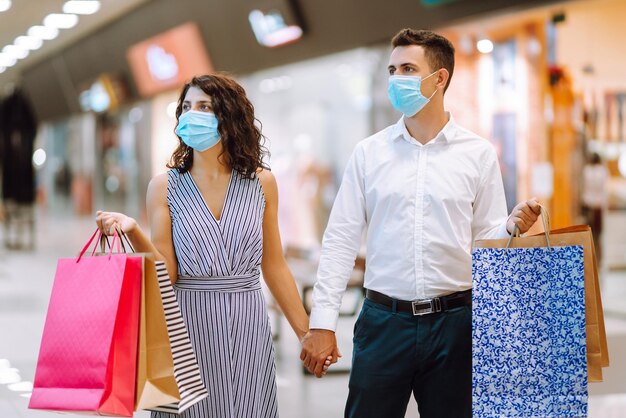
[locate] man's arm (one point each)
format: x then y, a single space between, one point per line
340 246
490 217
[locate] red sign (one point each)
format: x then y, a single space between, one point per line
168 60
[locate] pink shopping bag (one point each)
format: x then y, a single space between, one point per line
88 356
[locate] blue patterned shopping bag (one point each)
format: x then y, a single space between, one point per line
528 331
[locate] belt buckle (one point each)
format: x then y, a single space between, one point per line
435 306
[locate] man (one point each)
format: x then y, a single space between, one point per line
425 189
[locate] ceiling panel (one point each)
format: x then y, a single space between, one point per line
26 13
330 26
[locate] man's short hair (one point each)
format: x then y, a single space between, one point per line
438 50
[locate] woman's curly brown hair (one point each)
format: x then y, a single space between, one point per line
242 141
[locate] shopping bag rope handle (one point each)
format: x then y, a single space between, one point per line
545 219
125 238
104 239
116 240
97 232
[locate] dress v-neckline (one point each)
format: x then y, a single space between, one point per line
230 180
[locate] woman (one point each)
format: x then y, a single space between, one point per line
213 218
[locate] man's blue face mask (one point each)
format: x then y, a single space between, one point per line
406 95
198 130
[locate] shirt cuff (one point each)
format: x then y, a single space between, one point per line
322 318
502 232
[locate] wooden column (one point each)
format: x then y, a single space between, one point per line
562 146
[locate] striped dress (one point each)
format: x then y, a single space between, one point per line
220 297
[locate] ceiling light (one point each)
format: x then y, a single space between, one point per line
15 51
60 21
43 32
485 46
135 114
7 60
29 42
171 109
5 5
81 7
39 158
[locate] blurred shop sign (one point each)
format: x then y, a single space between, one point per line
275 25
168 60
104 94
542 182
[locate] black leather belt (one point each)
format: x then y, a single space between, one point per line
423 306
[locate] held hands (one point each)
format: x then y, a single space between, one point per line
107 221
319 351
523 215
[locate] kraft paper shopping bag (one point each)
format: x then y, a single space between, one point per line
597 347
156 383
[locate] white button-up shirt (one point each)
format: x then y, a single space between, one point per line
423 206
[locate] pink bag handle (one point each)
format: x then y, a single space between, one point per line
124 241
116 238
98 233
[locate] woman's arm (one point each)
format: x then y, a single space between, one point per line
275 270
161 244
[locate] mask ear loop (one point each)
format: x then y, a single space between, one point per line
428 76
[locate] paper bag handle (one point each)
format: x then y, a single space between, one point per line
116 240
545 218
104 239
86 247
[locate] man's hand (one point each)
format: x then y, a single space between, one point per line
523 215
319 351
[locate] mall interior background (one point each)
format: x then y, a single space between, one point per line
544 81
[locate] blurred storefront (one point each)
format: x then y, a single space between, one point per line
549 92
589 42
315 111
96 160
542 85
545 85
313 114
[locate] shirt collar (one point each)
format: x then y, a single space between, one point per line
400 131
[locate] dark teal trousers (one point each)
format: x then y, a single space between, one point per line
397 354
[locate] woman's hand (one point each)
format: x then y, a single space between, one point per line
108 221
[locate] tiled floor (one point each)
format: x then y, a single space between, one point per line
25 284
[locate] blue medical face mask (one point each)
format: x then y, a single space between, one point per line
406 95
198 130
